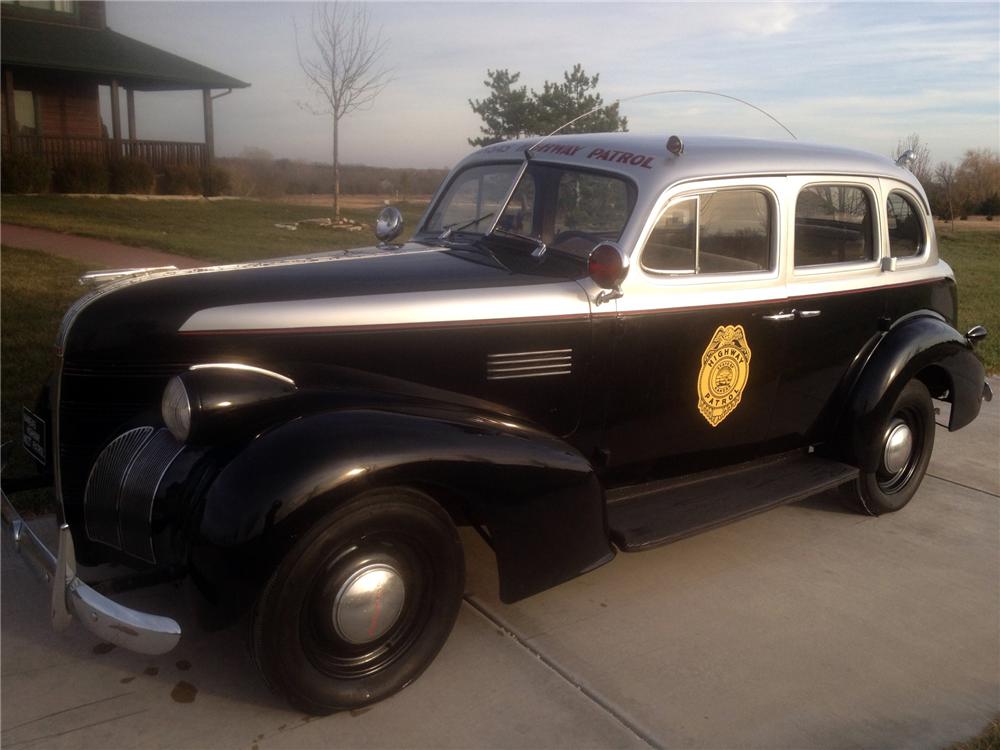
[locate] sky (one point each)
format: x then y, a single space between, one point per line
862 75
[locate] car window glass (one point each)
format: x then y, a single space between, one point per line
906 232
833 224
671 244
519 214
591 203
727 231
475 194
734 232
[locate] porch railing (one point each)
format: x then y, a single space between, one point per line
57 150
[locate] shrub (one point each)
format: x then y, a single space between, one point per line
181 179
217 181
80 176
132 176
25 173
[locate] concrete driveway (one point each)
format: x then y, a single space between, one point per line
803 627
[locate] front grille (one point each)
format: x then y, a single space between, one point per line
118 500
98 401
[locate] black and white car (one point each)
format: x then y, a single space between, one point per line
591 343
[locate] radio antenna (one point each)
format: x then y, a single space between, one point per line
657 93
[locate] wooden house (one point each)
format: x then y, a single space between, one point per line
55 56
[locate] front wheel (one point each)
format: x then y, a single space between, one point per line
906 442
362 604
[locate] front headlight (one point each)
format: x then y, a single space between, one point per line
176 409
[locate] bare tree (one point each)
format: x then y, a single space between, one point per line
341 58
921 166
945 177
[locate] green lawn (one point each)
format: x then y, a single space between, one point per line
35 290
975 258
223 231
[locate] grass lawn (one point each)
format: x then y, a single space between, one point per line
35 290
975 258
222 231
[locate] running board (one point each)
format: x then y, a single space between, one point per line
648 515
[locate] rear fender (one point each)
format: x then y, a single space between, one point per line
537 497
921 346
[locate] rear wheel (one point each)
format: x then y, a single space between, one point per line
361 605
907 439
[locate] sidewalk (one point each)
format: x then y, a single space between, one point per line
99 253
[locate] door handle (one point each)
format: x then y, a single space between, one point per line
781 316
810 313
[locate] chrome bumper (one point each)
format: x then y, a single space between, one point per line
108 620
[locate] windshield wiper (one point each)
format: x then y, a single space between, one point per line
540 247
448 230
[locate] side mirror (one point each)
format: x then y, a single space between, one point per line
976 334
608 266
389 224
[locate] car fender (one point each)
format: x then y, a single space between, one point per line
537 497
920 346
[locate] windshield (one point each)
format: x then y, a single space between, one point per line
566 208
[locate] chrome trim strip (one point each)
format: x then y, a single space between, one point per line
108 620
397 309
504 362
525 354
102 277
527 375
244 368
554 366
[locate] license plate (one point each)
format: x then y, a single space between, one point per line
33 435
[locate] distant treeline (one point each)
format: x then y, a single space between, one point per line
255 173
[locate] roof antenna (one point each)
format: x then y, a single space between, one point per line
527 153
678 144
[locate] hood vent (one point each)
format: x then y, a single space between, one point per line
529 364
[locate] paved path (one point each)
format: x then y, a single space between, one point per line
100 253
804 627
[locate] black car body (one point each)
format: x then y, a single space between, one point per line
759 321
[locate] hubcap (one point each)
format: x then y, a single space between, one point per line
898 447
368 604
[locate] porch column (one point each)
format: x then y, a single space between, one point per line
206 99
8 103
116 119
130 108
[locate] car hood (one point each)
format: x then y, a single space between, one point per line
413 284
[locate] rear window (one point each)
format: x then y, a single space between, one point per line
833 224
906 230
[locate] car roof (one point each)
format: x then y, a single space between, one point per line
645 158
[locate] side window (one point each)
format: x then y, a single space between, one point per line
906 230
591 203
727 231
833 224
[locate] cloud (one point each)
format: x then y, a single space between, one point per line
855 73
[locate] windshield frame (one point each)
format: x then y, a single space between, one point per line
423 233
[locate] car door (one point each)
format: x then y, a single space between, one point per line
702 326
835 286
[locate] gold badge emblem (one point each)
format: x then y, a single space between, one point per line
725 370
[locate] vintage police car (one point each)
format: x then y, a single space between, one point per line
591 343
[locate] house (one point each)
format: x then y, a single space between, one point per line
57 53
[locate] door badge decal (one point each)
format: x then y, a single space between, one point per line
725 370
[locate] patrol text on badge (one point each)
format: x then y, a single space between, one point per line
725 370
